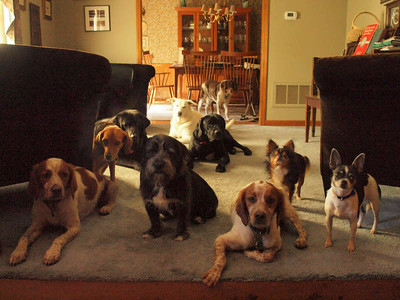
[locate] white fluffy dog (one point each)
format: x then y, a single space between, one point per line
184 119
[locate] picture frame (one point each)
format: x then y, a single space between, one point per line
22 4
384 1
97 18
47 7
145 43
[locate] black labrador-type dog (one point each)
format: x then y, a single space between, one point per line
212 141
168 186
134 123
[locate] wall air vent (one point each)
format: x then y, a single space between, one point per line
290 94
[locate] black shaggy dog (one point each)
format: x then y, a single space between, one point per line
170 187
212 141
134 123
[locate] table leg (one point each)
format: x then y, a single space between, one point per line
314 119
307 124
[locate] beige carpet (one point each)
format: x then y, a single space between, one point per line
111 248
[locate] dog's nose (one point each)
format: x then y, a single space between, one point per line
179 113
260 217
56 190
218 133
158 164
108 156
343 184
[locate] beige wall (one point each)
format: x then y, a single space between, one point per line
66 29
319 31
356 6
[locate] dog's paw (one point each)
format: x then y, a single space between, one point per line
51 257
105 210
212 276
298 198
328 243
151 234
180 237
351 247
17 257
301 243
220 169
198 220
247 152
265 257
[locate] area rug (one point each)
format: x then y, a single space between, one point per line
110 248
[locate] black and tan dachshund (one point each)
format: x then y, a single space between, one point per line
168 186
212 141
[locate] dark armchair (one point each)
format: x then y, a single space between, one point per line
361 112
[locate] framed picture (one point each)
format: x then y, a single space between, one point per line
384 1
47 7
97 18
22 4
34 17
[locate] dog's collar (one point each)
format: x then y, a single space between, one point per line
259 234
345 197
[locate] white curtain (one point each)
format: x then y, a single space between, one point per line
7 18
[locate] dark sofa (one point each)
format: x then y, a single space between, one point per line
361 112
50 99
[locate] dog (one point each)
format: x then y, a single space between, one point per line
350 187
184 120
108 140
287 166
256 213
218 92
170 187
63 195
134 123
212 141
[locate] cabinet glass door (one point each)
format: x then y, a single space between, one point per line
205 37
222 36
188 32
240 29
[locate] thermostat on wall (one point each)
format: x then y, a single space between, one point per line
290 15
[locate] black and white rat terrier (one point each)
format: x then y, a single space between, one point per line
350 186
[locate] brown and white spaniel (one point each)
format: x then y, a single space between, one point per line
255 216
63 195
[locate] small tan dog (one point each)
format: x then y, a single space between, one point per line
63 195
184 120
255 215
108 140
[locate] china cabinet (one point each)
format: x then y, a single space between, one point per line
195 33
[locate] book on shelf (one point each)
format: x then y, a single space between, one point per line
365 39
375 38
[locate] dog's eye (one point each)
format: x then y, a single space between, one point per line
63 174
351 177
46 175
116 143
270 201
251 199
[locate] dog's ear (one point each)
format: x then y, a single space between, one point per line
172 100
99 136
223 85
72 184
146 122
280 208
127 143
34 185
359 162
334 159
198 131
290 145
241 206
271 146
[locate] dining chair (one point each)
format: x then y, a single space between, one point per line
313 102
159 81
239 67
199 66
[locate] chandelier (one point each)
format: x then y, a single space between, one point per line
212 15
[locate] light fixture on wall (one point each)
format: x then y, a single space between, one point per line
216 14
